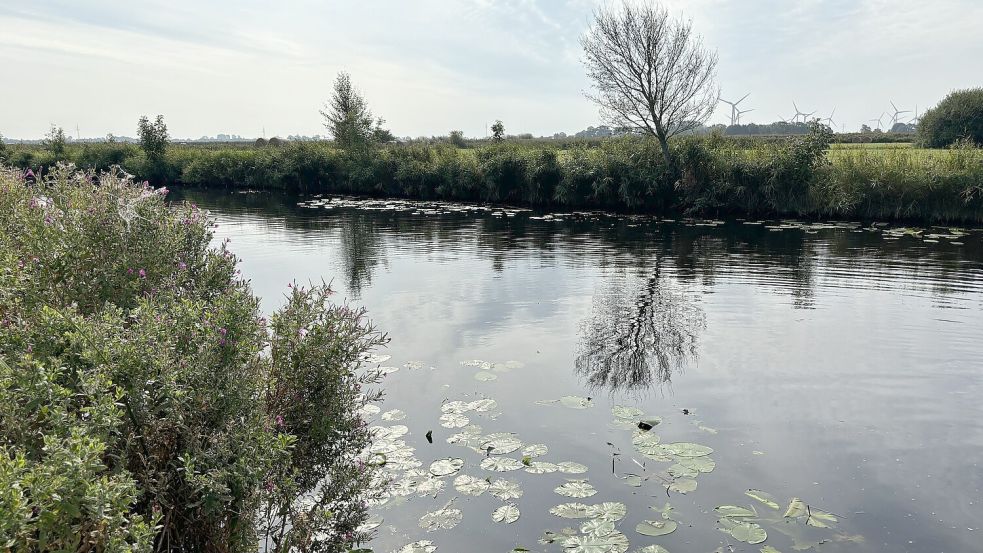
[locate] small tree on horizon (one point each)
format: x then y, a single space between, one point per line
55 140
153 138
650 72
498 131
348 119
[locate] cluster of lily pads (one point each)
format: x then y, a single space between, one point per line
678 465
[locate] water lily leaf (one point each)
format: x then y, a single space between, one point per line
393 415
541 467
383 371
763 497
575 402
683 485
570 510
430 486
747 532
456 406
734 511
369 409
623 412
469 485
678 470
686 449
615 542
500 443
506 514
656 528
699 464
648 444
441 519
570 467
609 510
485 376
501 464
796 508
453 420
483 405
446 467
505 489
534 450
375 358
597 527
633 480
473 363
653 549
821 519
576 488
422 546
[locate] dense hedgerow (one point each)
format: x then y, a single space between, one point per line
147 404
714 175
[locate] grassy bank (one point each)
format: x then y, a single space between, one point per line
147 404
798 176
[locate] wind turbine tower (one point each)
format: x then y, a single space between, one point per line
742 112
897 112
734 112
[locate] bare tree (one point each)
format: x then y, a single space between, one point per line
650 73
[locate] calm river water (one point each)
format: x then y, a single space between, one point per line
841 364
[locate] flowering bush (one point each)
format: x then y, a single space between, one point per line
147 403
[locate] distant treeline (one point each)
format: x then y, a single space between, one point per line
714 175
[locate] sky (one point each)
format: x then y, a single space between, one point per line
428 67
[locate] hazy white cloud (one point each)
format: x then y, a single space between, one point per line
429 66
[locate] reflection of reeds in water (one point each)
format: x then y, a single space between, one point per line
642 328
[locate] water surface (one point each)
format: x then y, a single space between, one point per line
840 364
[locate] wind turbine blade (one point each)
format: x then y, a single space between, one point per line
742 99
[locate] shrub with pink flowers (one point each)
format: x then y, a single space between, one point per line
147 404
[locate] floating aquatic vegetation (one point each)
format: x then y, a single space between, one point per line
653 549
571 510
685 449
597 527
469 485
371 523
393 415
430 486
764 497
506 514
485 376
610 511
573 402
576 488
814 517
446 467
500 443
683 485
413 365
656 528
623 412
469 435
383 371
375 358
734 511
501 464
444 518
483 405
422 546
541 467
747 532
700 464
570 467
505 489
534 450
456 406
615 542
453 420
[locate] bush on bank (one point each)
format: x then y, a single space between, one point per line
147 403
717 175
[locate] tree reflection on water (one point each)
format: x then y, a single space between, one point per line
643 327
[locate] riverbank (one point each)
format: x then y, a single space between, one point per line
795 176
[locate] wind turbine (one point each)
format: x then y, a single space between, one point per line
799 113
897 112
878 121
734 115
829 120
742 112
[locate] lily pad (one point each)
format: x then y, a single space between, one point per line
763 497
375 358
541 467
430 486
683 485
456 406
506 514
615 542
500 443
747 532
576 489
469 485
534 450
446 467
653 549
485 376
570 510
623 412
734 511
505 489
686 449
393 415
441 519
483 405
610 511
575 402
699 464
796 508
597 527
453 420
570 467
501 464
656 528
422 546
679 470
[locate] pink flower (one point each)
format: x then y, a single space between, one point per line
279 421
143 273
182 265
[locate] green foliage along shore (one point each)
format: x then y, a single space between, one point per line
147 404
794 176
